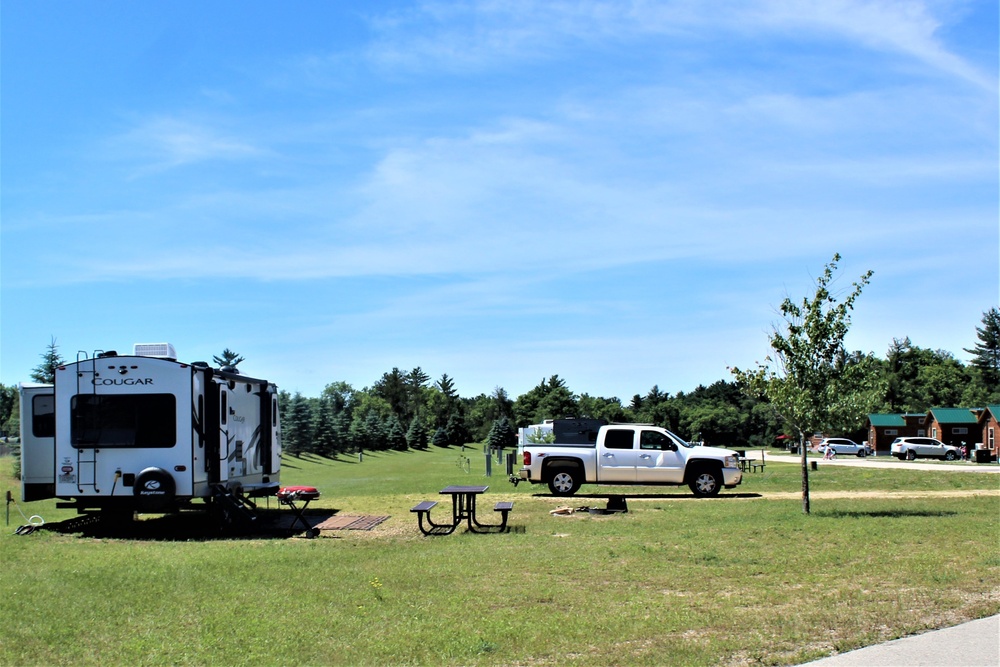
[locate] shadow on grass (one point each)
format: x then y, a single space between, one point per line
651 496
188 526
884 514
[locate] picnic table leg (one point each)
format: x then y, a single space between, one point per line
434 528
474 522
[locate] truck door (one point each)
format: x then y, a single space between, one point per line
659 459
616 456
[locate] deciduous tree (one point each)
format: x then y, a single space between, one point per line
805 377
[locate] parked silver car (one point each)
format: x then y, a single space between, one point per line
912 448
841 446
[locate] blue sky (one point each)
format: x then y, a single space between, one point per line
620 193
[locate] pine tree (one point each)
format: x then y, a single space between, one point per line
375 431
297 430
440 438
228 358
395 437
416 435
324 440
45 372
986 353
458 434
501 435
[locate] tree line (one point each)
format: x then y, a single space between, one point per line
407 410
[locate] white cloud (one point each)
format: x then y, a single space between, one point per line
482 34
164 142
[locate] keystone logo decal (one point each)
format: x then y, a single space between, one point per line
151 487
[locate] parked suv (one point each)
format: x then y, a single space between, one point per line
912 448
841 446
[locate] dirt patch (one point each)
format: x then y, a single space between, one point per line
842 495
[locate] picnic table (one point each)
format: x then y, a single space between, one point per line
463 508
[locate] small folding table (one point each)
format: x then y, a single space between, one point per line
291 495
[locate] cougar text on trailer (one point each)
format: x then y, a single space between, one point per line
145 433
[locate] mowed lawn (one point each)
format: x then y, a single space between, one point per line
742 579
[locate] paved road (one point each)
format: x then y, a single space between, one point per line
972 644
883 462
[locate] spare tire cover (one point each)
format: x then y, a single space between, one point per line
154 490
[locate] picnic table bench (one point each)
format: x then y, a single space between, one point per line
463 508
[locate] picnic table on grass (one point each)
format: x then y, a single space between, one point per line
463 508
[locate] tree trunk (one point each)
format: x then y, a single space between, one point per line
805 473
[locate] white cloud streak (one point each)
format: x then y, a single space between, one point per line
487 33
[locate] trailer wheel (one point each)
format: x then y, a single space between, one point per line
565 480
154 490
706 482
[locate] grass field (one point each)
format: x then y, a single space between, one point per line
742 579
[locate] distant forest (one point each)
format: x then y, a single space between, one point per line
406 409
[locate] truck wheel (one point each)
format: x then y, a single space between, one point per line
862 453
565 481
950 456
910 455
706 482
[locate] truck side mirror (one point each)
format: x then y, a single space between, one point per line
669 447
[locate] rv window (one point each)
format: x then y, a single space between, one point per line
127 420
43 416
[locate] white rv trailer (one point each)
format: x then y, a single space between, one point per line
38 429
146 433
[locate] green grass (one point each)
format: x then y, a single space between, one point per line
741 579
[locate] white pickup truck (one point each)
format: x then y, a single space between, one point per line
629 454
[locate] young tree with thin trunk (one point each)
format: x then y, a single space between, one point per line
808 378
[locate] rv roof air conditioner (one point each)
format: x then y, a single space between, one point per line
157 350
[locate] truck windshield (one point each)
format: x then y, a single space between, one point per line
126 420
679 440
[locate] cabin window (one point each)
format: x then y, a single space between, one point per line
959 431
125 420
43 416
991 440
891 431
619 439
